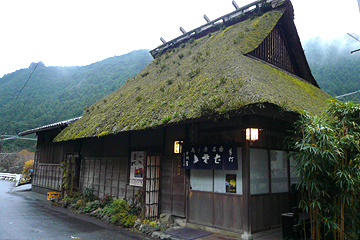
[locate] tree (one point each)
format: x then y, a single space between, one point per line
327 150
27 169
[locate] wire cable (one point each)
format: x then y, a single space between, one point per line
27 80
344 95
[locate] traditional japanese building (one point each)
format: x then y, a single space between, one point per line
201 130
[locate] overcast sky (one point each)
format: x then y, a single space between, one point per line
80 32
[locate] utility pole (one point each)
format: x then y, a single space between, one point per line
1 142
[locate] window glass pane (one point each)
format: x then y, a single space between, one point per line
294 177
220 176
279 175
259 171
201 180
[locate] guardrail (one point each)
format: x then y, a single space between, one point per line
11 177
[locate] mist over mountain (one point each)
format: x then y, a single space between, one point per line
336 70
54 94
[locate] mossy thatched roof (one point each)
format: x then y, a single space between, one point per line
207 76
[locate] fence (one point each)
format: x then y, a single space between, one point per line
11 177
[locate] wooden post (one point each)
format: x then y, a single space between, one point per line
246 191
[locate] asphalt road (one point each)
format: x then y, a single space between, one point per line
23 217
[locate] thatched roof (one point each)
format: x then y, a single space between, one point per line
208 76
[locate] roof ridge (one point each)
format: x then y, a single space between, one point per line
239 15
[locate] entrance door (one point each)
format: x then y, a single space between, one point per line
152 186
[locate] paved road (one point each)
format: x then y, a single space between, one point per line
26 218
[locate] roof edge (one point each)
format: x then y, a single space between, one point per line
49 127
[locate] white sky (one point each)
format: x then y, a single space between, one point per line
80 32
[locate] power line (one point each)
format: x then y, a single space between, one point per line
10 137
344 95
26 81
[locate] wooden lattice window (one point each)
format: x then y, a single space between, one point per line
275 51
152 186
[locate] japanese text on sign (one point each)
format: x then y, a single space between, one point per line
210 157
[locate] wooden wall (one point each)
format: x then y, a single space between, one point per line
48 176
219 210
108 176
266 210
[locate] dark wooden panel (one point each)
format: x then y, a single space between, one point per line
173 194
266 210
228 211
201 208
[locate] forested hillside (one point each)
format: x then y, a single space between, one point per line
54 94
336 70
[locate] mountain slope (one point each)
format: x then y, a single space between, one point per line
57 93
336 70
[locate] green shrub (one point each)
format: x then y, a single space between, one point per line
92 206
119 211
89 193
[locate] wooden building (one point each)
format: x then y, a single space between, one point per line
224 96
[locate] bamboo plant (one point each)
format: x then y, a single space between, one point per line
327 151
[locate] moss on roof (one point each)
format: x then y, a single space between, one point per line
210 75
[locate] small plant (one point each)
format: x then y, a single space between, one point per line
241 35
138 88
89 193
162 89
209 35
247 29
166 119
182 45
191 41
169 82
222 80
163 67
138 98
144 74
143 123
192 74
217 101
92 206
181 55
204 92
178 74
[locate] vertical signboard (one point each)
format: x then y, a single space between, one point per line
137 168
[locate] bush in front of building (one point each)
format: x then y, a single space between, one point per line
120 212
117 211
